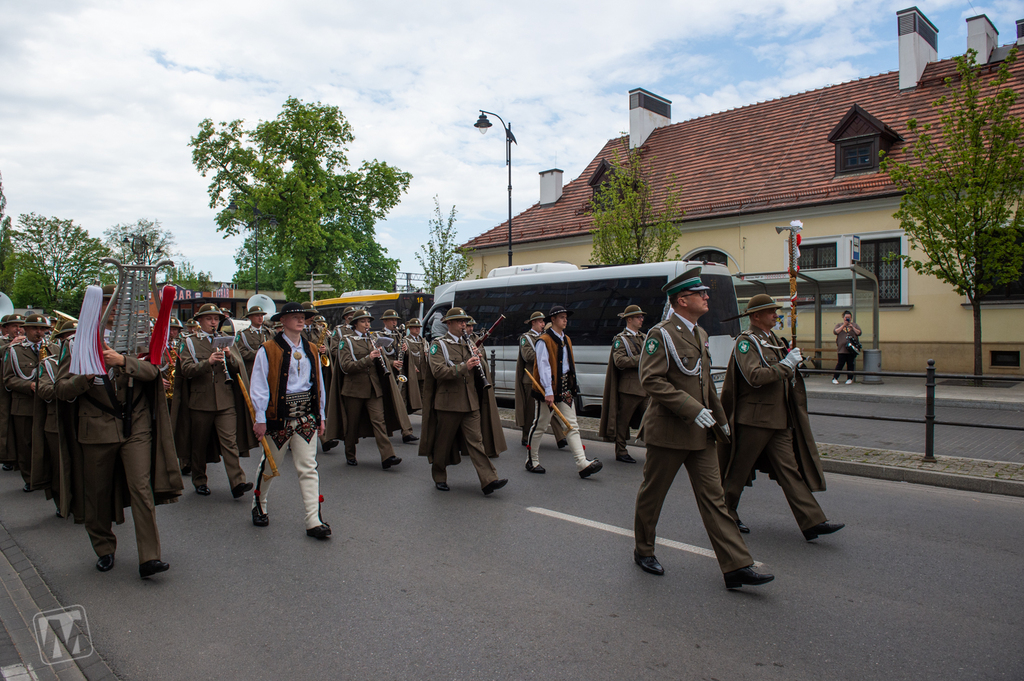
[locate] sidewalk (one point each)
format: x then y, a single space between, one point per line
912 391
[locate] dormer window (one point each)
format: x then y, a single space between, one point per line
859 137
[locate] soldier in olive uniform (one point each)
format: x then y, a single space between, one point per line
11 327
765 401
415 364
680 428
526 406
453 421
249 341
390 319
369 393
211 401
624 397
20 373
46 459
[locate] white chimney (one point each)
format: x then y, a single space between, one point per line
550 186
647 113
982 37
1020 32
919 45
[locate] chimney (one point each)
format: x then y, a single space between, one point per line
919 45
1020 32
647 113
550 186
982 37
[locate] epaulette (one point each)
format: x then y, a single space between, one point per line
450 341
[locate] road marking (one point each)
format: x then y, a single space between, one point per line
18 672
670 543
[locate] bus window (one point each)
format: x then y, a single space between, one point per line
597 303
721 306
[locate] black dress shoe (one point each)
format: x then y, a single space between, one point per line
26 488
240 489
389 462
443 486
827 527
563 443
151 567
9 467
743 528
331 444
409 438
259 519
496 484
648 564
105 563
319 532
594 467
204 490
526 443
625 458
186 470
534 469
737 578
352 461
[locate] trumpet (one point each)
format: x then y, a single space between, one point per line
401 378
479 367
172 361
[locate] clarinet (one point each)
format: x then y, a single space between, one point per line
479 367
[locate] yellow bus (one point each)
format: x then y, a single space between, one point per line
408 305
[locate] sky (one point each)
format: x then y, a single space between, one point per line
98 100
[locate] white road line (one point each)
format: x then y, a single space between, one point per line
670 543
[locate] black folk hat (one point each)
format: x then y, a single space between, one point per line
558 309
293 308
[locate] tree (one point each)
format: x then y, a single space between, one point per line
963 186
295 168
441 258
159 242
7 260
185 275
627 228
57 259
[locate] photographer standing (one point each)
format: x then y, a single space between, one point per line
847 345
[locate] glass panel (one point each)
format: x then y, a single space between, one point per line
874 256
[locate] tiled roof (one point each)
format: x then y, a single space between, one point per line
765 156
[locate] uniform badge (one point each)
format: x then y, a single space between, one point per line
342 345
618 344
522 341
652 346
744 347
433 349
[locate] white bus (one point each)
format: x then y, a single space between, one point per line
595 295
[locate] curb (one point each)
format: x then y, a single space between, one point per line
909 399
31 601
915 476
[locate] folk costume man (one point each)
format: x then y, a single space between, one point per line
20 372
392 353
526 405
214 416
766 403
10 325
555 370
120 427
680 428
288 398
370 395
249 341
624 397
460 413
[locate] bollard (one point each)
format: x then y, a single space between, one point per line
872 362
929 413
494 363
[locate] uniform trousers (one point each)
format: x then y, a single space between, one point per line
627 406
546 416
220 424
373 407
53 460
702 466
23 445
777 443
463 427
304 459
136 457
530 414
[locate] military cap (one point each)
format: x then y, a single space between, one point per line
455 314
534 317
631 311
65 328
762 301
208 309
36 320
360 314
389 314
12 319
687 281
414 324
348 310
175 323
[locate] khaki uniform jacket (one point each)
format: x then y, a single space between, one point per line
455 383
8 452
361 371
44 422
526 359
415 364
361 377
208 388
675 370
20 367
621 378
758 391
248 342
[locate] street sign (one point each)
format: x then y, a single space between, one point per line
315 287
307 282
855 249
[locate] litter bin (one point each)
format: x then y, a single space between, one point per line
872 362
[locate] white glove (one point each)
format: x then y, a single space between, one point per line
793 358
705 419
725 429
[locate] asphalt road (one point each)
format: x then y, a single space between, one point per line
420 584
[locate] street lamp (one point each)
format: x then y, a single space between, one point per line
482 124
255 226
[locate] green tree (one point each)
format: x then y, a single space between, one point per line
7 259
57 259
963 185
442 258
296 168
627 227
185 275
159 242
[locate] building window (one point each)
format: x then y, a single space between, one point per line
814 256
874 257
858 157
859 137
710 255
1006 358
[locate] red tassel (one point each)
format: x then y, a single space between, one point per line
321 498
257 493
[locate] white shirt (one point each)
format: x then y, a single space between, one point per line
300 379
544 363
689 324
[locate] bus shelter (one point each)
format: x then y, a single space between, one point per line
854 281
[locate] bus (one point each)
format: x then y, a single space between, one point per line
595 295
408 305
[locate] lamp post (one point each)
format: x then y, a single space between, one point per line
255 226
482 124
